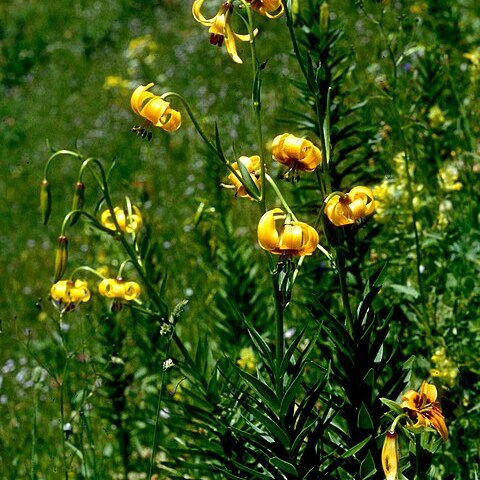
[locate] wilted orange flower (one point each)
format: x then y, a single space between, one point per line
221 28
423 407
269 8
289 238
299 154
252 164
155 110
390 455
345 209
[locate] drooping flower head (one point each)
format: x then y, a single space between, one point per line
220 28
268 8
281 236
252 164
129 222
119 288
346 209
66 294
423 407
155 110
299 154
390 455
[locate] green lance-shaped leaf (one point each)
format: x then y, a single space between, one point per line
250 186
364 420
262 389
367 467
284 466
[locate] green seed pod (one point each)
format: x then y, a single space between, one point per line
45 200
324 17
78 201
61 258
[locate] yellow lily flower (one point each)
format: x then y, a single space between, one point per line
292 238
390 455
266 7
423 407
299 154
345 209
119 288
127 223
221 28
155 110
252 164
68 293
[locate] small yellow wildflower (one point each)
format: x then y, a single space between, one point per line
448 178
418 8
474 57
113 82
247 360
436 117
445 368
142 48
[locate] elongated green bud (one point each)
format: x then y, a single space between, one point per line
45 200
78 201
324 17
61 257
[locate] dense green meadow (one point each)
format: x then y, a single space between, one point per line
194 331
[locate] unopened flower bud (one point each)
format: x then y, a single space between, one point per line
45 200
78 200
61 257
390 455
324 17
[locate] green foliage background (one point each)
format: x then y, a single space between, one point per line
54 60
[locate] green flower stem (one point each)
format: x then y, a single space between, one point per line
159 409
419 473
154 295
87 269
69 215
62 415
279 195
257 105
195 123
57 154
218 153
34 432
279 332
342 277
